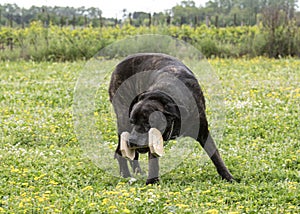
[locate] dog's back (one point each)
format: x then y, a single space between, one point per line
137 63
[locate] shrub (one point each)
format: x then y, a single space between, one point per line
208 47
67 44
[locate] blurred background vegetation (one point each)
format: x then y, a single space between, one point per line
222 28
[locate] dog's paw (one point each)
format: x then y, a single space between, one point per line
235 180
228 177
152 181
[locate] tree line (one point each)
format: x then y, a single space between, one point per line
220 13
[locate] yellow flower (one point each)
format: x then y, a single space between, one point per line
104 201
87 188
92 204
187 189
112 192
213 211
21 205
126 210
53 182
112 207
126 194
40 177
14 170
182 205
207 191
40 199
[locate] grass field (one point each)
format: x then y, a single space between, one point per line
42 169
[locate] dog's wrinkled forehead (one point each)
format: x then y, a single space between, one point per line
142 110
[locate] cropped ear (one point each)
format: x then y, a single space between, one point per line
172 110
177 111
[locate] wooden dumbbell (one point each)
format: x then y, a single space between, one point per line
125 150
156 143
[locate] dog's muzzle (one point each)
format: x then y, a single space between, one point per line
137 140
153 141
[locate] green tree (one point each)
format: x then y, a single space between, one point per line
185 13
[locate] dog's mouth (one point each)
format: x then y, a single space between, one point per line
143 150
138 141
151 141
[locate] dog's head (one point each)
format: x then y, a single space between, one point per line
152 109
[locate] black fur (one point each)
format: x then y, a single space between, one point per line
133 108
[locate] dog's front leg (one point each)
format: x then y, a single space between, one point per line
124 171
153 167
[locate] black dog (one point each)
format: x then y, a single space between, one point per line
159 91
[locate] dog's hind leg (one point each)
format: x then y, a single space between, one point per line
211 149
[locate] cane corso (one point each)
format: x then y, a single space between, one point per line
151 90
